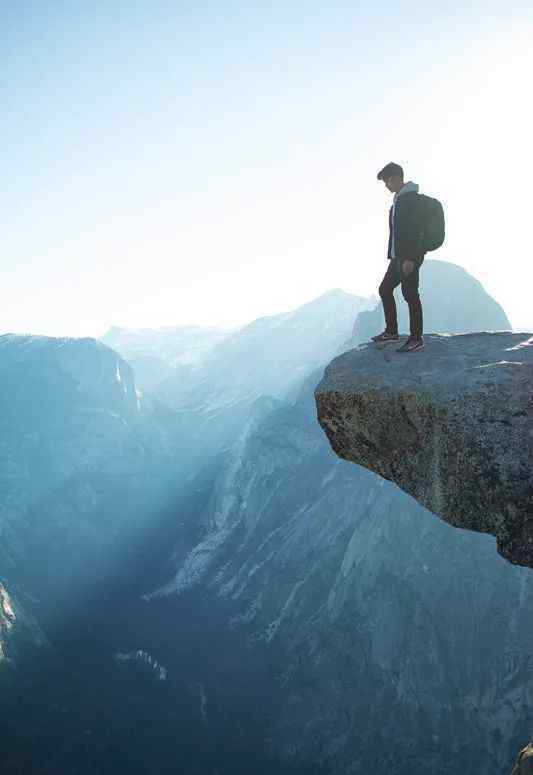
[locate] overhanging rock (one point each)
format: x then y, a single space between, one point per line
451 424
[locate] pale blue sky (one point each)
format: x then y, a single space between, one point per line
169 163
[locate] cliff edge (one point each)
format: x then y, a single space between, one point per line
452 425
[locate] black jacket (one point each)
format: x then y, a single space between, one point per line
407 227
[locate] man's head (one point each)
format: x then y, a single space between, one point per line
392 176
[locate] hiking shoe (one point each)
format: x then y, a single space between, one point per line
413 343
385 336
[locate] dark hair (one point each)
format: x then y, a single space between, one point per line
390 169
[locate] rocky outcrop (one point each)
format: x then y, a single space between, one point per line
42 375
19 631
524 764
452 425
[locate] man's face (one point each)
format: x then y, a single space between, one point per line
393 183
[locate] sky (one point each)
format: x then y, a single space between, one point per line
208 163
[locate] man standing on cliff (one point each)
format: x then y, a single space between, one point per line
405 259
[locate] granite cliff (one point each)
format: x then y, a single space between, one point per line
452 425
353 631
19 631
85 461
395 640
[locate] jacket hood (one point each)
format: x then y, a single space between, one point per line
409 186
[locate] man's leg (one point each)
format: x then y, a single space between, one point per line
386 291
411 295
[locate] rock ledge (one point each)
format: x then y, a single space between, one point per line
452 425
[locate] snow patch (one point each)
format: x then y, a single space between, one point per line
141 657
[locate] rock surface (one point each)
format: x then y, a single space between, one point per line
19 631
84 465
395 640
452 425
524 764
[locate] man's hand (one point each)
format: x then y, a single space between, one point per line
408 266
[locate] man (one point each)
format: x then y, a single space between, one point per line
405 256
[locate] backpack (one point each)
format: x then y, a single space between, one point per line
432 222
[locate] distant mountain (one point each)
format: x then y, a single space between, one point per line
156 353
97 485
401 645
88 460
396 640
453 301
187 345
271 356
177 362
306 612
84 463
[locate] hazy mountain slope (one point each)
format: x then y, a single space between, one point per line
453 301
95 483
401 643
156 353
185 345
85 463
209 409
271 356
90 466
392 630
363 631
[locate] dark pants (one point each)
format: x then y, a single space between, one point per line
393 277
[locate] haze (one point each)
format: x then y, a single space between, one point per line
168 164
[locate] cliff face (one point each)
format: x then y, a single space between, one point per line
452 425
388 631
19 631
390 640
85 461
